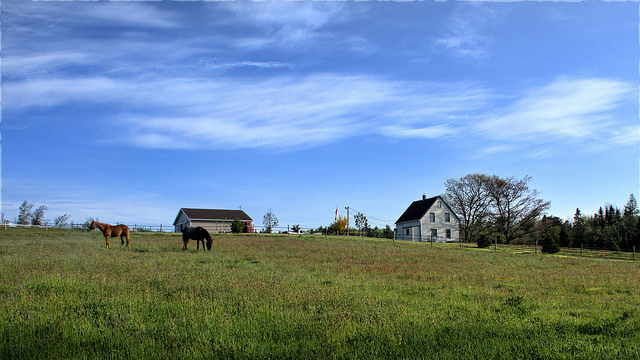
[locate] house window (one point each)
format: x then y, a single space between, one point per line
448 233
407 231
439 204
434 233
447 217
432 217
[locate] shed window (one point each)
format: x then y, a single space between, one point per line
407 231
432 217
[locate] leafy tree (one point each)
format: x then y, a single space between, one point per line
339 226
387 233
37 218
24 214
238 226
469 198
514 206
62 220
361 223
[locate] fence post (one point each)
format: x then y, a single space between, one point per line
581 246
634 254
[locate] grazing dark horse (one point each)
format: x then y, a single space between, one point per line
198 234
112 230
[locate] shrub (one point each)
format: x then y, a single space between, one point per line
238 227
484 241
549 244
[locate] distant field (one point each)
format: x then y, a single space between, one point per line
63 295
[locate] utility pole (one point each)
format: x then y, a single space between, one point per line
347 220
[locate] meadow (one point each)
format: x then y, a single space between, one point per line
64 295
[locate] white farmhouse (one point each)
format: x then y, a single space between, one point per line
428 220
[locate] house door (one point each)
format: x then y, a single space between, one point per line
434 234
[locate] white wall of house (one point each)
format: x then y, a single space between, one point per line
442 222
439 220
409 230
181 222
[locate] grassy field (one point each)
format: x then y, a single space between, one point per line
63 295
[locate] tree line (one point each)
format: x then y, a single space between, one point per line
27 215
507 211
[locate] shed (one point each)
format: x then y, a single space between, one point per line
428 219
214 220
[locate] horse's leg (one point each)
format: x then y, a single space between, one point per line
122 241
127 235
107 237
197 245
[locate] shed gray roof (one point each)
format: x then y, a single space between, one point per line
213 214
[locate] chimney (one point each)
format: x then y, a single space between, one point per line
424 197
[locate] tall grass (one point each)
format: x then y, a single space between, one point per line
63 295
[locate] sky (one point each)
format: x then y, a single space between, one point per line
129 111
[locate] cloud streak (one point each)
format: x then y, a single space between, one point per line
290 112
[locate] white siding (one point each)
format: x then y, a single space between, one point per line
420 230
181 222
440 224
409 231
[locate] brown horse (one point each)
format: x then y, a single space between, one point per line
112 230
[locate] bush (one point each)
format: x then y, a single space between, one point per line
549 244
238 227
484 241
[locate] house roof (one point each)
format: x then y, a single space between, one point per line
417 209
213 214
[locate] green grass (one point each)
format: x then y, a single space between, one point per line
63 295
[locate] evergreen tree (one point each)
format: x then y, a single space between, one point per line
599 219
578 230
563 236
631 207
550 242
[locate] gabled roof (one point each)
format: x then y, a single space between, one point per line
213 214
417 209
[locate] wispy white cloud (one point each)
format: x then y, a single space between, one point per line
575 109
286 23
465 35
292 112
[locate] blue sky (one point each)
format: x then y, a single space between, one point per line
128 111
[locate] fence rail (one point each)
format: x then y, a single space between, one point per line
73 225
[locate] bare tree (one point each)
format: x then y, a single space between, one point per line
469 198
514 206
270 220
